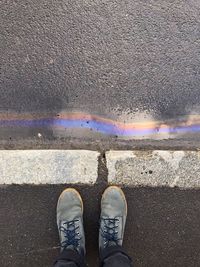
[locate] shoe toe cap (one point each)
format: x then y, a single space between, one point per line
114 202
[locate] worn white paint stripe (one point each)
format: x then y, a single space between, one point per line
154 168
48 166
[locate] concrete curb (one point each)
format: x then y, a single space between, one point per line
155 168
48 166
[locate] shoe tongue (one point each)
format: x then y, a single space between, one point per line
70 247
111 243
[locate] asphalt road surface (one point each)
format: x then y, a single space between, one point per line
162 226
122 60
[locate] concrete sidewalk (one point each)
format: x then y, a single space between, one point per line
162 190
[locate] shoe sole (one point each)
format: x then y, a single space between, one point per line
76 192
121 193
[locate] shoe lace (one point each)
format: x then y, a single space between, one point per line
69 228
109 231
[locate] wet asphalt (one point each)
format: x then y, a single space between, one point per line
120 60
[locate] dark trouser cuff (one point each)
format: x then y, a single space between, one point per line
71 255
110 251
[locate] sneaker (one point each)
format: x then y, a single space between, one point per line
70 221
113 218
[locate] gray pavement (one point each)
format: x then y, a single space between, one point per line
121 60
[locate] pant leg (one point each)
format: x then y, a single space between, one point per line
62 263
70 258
115 257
